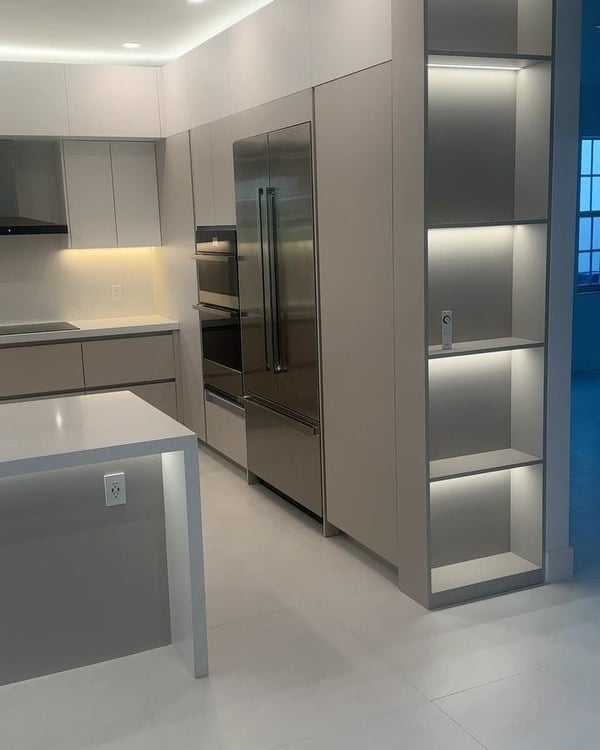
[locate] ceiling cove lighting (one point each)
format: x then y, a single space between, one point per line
465 66
62 55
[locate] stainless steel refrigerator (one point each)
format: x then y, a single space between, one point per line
276 250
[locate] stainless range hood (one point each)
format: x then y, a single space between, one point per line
31 188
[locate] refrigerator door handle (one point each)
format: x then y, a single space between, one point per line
279 366
265 267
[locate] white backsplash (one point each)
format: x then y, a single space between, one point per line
41 281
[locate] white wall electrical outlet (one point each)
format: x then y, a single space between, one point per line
117 293
114 489
447 329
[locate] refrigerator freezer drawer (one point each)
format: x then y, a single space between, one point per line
285 454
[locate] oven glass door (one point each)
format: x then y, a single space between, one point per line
221 336
218 279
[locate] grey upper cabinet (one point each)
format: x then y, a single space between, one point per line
204 201
221 139
112 194
90 200
136 193
212 169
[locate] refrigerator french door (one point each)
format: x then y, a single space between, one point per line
276 251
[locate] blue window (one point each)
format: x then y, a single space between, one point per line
588 248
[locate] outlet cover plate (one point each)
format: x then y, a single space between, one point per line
114 489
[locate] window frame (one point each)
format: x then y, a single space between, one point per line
587 277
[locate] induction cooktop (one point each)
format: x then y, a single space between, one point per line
13 330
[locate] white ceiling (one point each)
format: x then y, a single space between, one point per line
92 31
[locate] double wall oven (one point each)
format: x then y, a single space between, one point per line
219 308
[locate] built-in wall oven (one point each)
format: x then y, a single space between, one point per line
219 309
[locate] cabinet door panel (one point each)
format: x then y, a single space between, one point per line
113 101
221 139
161 395
136 193
129 360
90 196
348 36
28 89
226 430
269 54
353 119
29 370
202 176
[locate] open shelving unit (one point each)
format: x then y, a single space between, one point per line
487 226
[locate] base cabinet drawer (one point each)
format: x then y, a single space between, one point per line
161 395
140 359
226 428
30 370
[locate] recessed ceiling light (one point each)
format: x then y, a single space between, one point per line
131 45
195 2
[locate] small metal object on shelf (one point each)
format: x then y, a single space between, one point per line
447 330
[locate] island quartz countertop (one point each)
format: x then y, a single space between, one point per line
78 430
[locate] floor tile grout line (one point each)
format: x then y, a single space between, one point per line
376 717
460 726
533 670
391 664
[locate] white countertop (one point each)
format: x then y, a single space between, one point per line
80 430
100 328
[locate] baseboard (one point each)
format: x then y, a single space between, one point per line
559 565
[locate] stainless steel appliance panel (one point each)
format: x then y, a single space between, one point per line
222 379
286 454
290 212
221 348
217 278
251 157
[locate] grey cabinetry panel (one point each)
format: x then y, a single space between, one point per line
473 25
112 194
353 120
161 395
136 193
221 138
88 177
491 26
202 176
471 147
29 370
212 171
128 360
226 428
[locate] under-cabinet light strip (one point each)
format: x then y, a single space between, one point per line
473 67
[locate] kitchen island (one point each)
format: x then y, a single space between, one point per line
83 582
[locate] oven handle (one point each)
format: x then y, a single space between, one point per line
218 312
215 257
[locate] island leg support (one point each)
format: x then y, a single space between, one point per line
185 558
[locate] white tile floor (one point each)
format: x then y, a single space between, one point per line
312 647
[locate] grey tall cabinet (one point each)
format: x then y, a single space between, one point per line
353 121
472 238
434 177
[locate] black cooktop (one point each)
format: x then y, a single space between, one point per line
8 330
